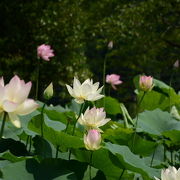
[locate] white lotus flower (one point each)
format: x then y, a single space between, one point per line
170 174
13 99
85 91
93 118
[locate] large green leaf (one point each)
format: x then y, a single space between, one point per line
47 169
100 160
124 136
111 105
162 96
55 136
156 122
130 161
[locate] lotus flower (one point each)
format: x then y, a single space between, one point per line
45 52
13 99
93 118
170 174
85 91
113 79
146 83
92 140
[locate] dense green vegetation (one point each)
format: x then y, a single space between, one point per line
145 35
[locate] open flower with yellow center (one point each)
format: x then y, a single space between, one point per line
93 118
13 99
85 91
171 173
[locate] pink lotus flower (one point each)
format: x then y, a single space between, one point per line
45 52
146 83
113 79
92 140
13 99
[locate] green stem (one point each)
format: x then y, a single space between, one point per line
164 153
81 109
42 118
37 79
137 118
104 75
3 124
90 164
30 143
27 140
104 79
67 127
152 157
121 174
172 157
57 150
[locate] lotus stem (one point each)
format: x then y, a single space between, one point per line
37 79
90 164
3 124
42 118
137 118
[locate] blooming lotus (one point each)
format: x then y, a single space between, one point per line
13 99
146 83
85 91
92 140
45 52
171 173
93 118
113 79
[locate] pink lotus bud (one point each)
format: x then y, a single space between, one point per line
146 83
92 140
45 52
113 79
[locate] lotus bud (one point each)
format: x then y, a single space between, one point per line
48 92
110 45
176 64
92 140
146 83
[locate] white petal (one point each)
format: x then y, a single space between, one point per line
2 94
85 90
23 92
27 107
12 88
95 86
156 178
103 122
2 82
14 119
9 106
70 90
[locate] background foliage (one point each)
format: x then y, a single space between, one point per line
145 35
